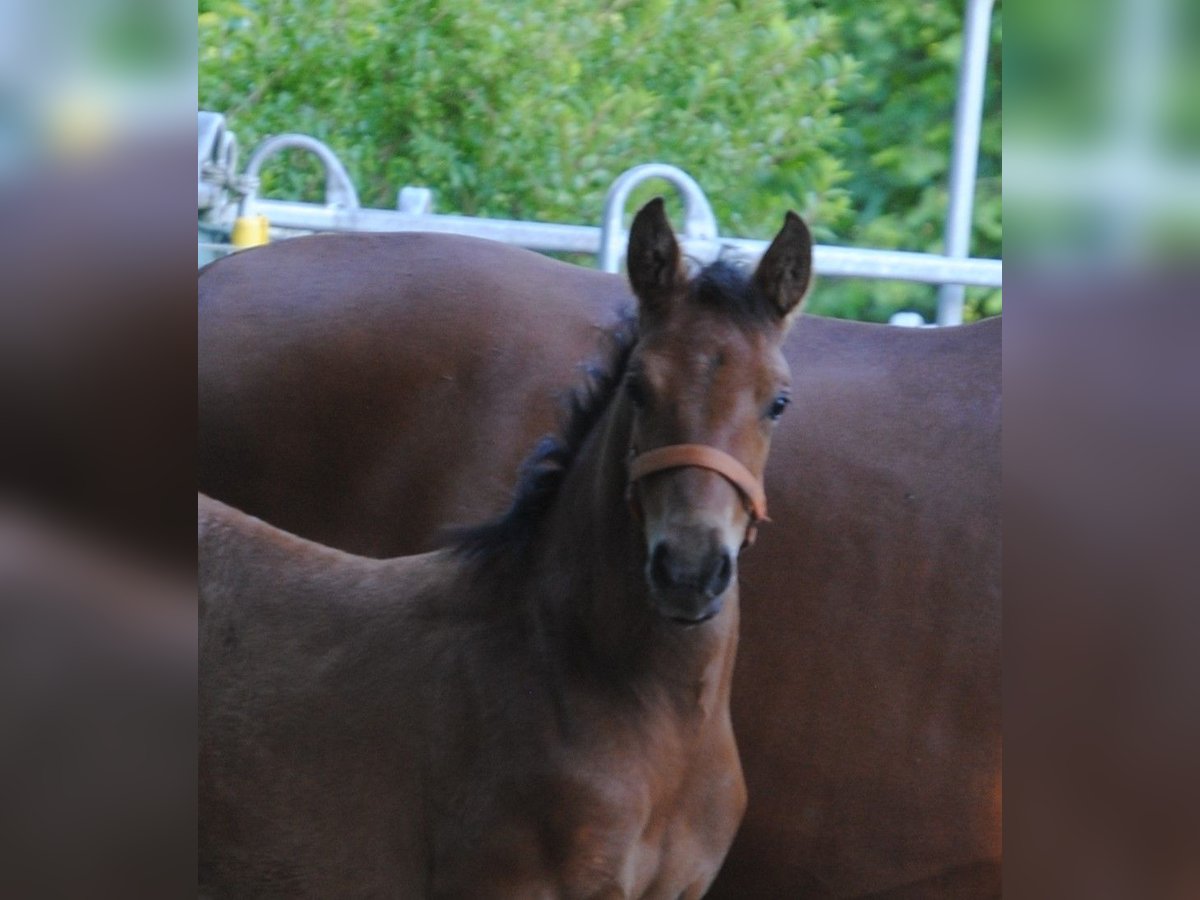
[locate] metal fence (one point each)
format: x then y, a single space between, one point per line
228 200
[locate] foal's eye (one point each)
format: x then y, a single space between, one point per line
778 405
636 391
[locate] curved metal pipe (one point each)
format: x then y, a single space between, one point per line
339 189
699 223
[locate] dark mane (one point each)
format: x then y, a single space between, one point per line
543 471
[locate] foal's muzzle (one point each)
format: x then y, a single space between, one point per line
689 575
690 569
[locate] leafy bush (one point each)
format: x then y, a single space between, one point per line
529 109
899 130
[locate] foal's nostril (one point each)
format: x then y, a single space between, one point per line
722 573
660 571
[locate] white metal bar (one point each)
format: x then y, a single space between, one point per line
850 262
900 265
534 235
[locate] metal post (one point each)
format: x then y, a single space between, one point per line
968 117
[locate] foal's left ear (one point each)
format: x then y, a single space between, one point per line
784 273
654 262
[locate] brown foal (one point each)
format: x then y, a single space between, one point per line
541 710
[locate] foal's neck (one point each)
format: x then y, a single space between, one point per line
591 590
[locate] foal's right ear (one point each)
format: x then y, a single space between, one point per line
654 262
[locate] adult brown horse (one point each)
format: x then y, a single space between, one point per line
542 709
367 390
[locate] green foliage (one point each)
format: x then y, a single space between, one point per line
899 118
529 109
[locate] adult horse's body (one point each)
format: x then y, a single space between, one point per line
543 709
867 696
366 418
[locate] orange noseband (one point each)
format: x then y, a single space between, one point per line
678 456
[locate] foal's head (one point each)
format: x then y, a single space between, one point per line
706 383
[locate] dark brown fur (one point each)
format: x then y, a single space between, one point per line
530 721
397 381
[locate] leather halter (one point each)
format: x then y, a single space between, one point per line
678 456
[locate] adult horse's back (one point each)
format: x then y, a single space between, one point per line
867 696
361 390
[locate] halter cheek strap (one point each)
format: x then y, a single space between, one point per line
678 456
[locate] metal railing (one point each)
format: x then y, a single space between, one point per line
699 236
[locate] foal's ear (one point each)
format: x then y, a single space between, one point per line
655 266
784 273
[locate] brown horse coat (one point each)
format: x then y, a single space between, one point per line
542 710
359 743
398 379
308 405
